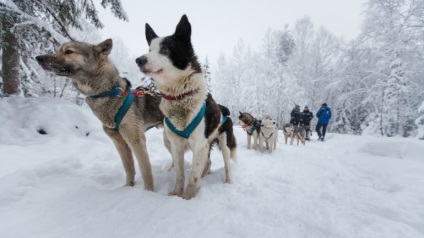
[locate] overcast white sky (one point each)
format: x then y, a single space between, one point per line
217 25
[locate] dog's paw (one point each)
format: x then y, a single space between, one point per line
188 195
229 181
176 192
129 184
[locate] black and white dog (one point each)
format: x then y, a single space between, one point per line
193 120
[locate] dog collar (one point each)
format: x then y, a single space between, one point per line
178 97
115 91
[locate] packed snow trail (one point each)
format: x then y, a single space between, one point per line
68 183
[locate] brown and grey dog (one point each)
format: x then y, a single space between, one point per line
252 126
95 76
288 131
193 119
300 133
269 134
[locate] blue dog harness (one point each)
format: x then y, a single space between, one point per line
254 126
116 91
124 108
193 124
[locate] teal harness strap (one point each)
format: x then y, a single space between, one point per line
111 93
224 119
190 128
250 132
124 108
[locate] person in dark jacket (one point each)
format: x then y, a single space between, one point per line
324 116
295 116
306 120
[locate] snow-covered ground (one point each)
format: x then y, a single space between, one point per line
68 183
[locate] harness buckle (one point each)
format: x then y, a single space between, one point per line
120 92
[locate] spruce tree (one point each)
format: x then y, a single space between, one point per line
35 27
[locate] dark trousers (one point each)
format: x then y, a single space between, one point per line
318 129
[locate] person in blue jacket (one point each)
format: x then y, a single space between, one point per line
323 115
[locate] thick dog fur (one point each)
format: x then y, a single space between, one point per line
300 133
247 121
269 134
92 73
173 65
288 131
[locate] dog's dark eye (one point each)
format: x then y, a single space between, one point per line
68 52
164 50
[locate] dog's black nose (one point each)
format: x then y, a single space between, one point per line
141 60
40 58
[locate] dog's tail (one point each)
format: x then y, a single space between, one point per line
228 128
232 143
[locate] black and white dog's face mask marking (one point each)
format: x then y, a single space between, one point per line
170 56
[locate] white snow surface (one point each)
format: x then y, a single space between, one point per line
69 183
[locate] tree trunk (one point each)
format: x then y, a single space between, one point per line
10 60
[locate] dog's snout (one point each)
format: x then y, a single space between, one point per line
141 60
40 58
273 123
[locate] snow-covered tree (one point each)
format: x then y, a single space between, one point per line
30 28
390 29
208 75
259 82
420 121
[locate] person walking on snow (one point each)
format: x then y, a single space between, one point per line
323 115
295 116
306 119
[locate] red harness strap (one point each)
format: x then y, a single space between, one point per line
137 92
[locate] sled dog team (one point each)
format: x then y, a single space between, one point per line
265 132
191 119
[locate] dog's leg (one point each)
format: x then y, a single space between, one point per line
285 138
249 139
167 144
261 141
292 139
200 155
275 141
137 142
226 152
177 152
125 154
207 168
256 142
269 144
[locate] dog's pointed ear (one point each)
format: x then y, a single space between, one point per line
104 47
183 30
240 113
150 34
